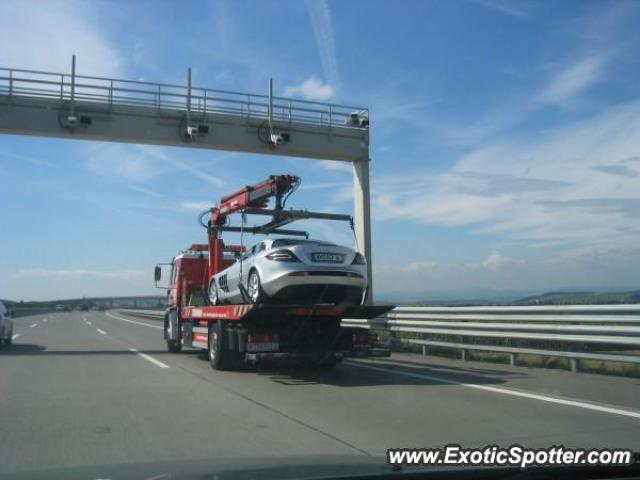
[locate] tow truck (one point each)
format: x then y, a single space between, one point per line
235 336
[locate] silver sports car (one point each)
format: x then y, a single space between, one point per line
292 271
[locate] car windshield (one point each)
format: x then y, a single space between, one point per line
313 238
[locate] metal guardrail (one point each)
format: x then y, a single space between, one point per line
152 314
602 326
163 97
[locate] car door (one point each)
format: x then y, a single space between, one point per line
237 273
227 282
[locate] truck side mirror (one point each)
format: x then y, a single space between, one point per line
157 273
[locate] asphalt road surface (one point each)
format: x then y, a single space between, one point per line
84 388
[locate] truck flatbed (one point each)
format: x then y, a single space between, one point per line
251 312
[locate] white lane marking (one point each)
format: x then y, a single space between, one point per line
505 391
34 325
133 321
88 323
101 331
149 358
17 335
45 320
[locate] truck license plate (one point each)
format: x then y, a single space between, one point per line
328 257
263 347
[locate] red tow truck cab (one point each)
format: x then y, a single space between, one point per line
235 335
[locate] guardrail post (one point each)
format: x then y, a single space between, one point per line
110 96
73 85
463 355
204 110
189 96
10 83
513 359
424 349
575 365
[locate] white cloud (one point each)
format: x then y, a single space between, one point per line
505 8
197 206
44 35
574 80
198 172
550 190
146 191
56 283
29 159
141 163
496 260
311 89
128 162
79 273
425 279
410 267
334 166
320 16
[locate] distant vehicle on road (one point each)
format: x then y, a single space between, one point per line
292 271
6 326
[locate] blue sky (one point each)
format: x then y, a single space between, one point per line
505 139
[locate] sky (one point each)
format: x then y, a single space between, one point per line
505 140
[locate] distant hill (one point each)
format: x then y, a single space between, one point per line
581 298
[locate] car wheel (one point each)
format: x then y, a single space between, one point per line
213 292
254 288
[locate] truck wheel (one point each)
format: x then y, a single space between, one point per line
330 364
172 323
219 355
254 288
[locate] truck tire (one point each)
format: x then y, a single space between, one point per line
220 357
171 322
330 364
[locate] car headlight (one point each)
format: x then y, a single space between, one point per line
283 256
359 259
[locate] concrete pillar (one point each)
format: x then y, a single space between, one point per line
362 217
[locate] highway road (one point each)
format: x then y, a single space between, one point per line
85 388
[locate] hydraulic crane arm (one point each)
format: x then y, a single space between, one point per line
250 196
253 200
255 196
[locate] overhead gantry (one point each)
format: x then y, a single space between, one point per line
72 106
